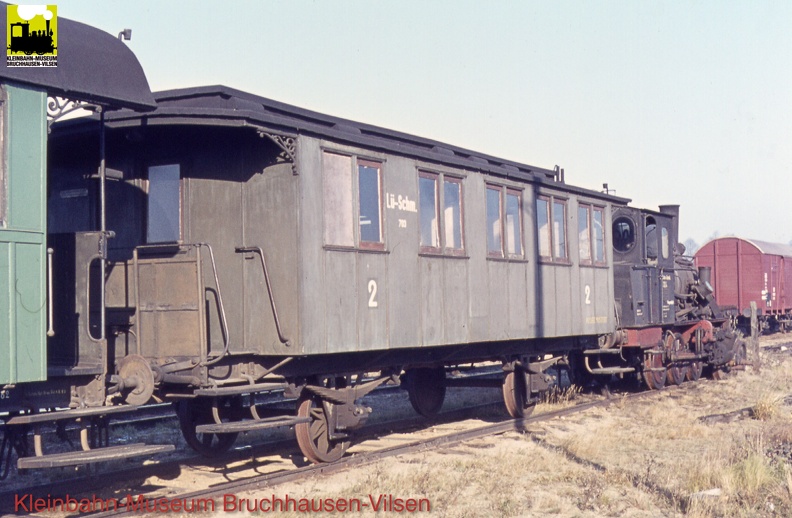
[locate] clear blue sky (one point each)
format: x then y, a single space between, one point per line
686 102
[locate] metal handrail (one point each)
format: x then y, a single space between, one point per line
223 320
257 250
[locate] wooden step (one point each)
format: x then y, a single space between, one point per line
57 460
251 424
590 352
46 417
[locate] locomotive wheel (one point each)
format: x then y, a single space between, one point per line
314 437
515 394
676 374
194 412
426 389
694 369
654 379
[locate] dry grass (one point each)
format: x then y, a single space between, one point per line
647 458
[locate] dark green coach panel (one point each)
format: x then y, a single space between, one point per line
23 237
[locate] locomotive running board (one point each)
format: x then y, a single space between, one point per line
251 424
58 460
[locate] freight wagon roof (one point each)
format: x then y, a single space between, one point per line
92 66
763 246
223 106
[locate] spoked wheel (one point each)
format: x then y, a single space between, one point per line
515 394
426 389
194 412
694 370
654 373
314 437
676 373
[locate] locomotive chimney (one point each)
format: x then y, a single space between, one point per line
48 26
673 211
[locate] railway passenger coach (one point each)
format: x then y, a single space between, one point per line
257 244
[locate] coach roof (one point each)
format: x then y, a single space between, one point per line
223 106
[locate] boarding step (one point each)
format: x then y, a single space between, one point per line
240 389
46 417
58 460
591 352
612 370
251 424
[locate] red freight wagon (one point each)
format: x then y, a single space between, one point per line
745 270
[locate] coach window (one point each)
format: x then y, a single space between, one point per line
494 225
591 239
454 242
430 221
441 232
369 195
599 235
337 191
551 229
664 242
514 223
164 204
584 233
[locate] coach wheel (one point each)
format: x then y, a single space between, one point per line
515 394
195 412
654 372
694 370
314 437
426 389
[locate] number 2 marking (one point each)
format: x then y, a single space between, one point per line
372 289
587 290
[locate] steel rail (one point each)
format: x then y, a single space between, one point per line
357 460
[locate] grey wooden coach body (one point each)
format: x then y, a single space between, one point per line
252 173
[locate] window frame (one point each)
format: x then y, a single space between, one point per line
180 222
552 201
593 260
357 241
429 249
369 245
440 181
504 192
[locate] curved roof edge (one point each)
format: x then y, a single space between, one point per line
222 105
92 66
764 247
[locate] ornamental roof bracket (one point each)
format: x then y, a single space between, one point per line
60 107
287 144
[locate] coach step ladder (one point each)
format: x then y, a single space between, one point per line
87 455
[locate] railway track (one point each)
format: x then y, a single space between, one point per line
216 488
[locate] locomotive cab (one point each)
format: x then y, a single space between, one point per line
643 265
